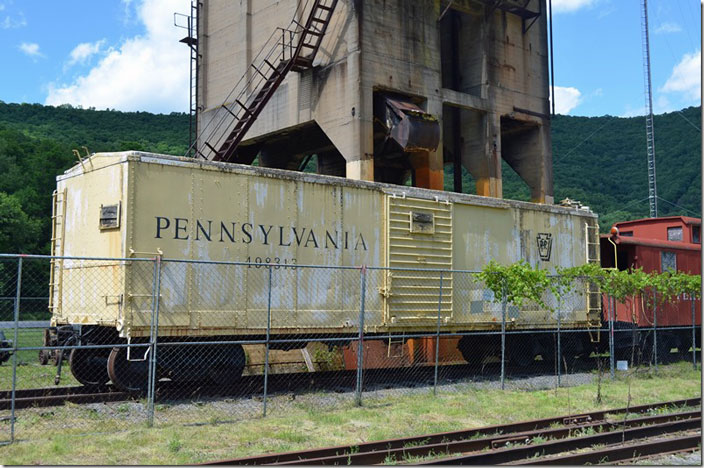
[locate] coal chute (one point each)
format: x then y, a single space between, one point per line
407 125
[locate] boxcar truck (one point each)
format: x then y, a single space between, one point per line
195 215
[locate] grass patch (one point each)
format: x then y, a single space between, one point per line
30 374
117 434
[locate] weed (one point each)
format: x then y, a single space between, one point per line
175 445
416 443
291 436
584 431
123 408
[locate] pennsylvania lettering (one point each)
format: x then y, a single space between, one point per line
247 233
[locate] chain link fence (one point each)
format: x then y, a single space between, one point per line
215 342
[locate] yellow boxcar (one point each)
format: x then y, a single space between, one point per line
136 205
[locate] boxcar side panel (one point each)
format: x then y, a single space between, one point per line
92 291
203 213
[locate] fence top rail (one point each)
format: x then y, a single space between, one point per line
54 257
248 264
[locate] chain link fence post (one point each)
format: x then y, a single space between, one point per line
559 342
153 337
655 330
437 340
360 347
612 312
268 334
503 337
18 295
694 335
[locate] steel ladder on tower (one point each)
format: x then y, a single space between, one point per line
295 51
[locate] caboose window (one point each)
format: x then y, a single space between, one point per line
696 234
674 234
668 261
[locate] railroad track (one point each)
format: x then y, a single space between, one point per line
253 385
56 396
566 440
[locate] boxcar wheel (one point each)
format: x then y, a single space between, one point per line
474 349
89 366
684 346
228 370
664 348
127 375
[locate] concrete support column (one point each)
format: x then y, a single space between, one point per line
481 152
331 163
362 169
528 152
428 169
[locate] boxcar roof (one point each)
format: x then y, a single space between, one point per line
101 160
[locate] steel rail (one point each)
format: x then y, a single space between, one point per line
522 452
493 442
247 386
34 398
282 382
50 391
621 452
427 439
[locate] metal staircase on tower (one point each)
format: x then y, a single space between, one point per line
291 49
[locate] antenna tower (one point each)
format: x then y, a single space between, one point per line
649 130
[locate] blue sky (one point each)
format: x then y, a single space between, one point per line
125 54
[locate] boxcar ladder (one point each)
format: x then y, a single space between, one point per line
295 51
58 211
593 293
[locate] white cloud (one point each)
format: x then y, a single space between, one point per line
569 6
566 99
686 77
127 13
147 72
13 23
82 52
662 104
668 28
31 49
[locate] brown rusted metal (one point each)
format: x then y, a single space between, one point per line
409 126
508 455
666 446
376 452
58 396
496 443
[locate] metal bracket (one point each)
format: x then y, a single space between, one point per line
129 348
158 252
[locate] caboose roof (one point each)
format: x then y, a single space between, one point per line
663 220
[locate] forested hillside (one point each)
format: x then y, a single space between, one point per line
599 161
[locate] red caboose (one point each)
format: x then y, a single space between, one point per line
654 244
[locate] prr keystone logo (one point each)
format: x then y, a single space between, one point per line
544 245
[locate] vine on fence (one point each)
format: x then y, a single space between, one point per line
521 282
